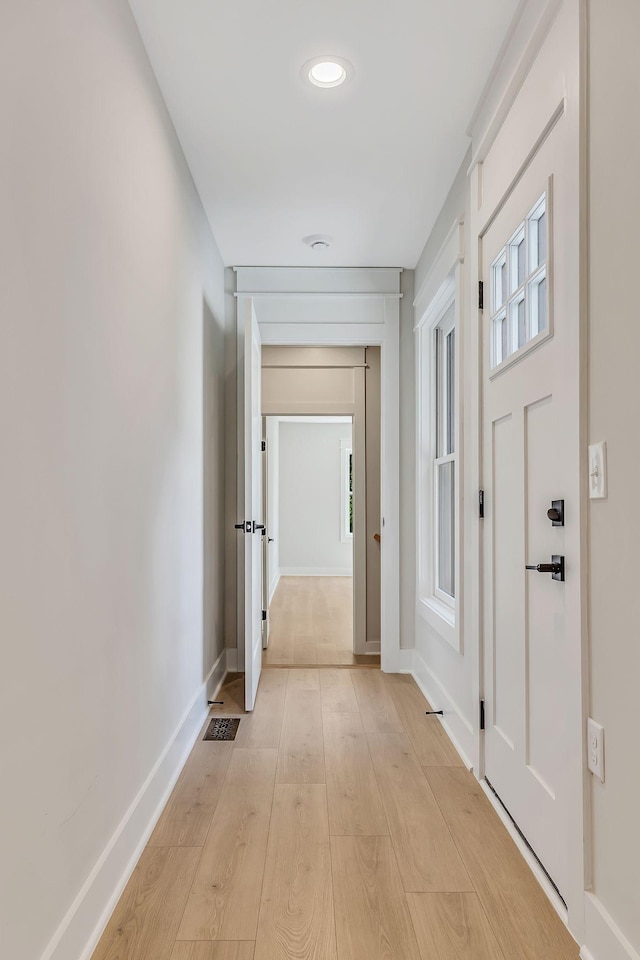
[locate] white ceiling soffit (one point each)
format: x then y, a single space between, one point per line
275 159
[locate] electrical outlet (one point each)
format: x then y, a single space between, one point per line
595 749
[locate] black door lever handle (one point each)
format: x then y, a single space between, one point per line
555 568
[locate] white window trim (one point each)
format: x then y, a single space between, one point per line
435 607
346 448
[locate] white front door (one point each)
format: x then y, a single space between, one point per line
252 507
530 423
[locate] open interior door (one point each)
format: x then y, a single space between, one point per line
265 538
254 527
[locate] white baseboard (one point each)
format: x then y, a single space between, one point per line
316 572
232 660
604 940
84 922
456 726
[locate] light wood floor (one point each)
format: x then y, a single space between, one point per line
340 825
311 622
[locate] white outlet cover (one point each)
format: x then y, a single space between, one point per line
598 471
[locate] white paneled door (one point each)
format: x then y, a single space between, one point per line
530 391
253 507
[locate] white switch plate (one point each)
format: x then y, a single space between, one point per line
595 749
598 471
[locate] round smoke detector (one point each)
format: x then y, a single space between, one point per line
318 241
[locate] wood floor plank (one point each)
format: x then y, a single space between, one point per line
305 613
329 653
213 950
303 679
186 819
296 912
525 923
146 919
260 730
431 744
301 754
377 709
427 856
225 897
355 806
372 915
452 926
337 693
304 650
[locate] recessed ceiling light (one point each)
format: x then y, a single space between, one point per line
327 71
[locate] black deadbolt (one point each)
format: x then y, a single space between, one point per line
556 513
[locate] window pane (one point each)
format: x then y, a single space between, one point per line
438 424
445 578
499 278
518 324
538 308
538 239
451 384
542 239
500 340
521 263
517 261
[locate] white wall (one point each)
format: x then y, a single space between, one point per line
112 308
310 492
614 347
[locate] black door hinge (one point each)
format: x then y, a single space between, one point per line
264 614
481 504
480 295
263 445
482 714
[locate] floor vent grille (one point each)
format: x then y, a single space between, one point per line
222 728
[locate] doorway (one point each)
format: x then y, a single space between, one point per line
311 502
319 310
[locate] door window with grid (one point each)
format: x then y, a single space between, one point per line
519 288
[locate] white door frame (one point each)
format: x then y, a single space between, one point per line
347 307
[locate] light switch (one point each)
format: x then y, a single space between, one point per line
595 749
598 471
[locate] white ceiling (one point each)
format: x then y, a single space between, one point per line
275 159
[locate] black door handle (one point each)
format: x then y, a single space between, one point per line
555 568
556 513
